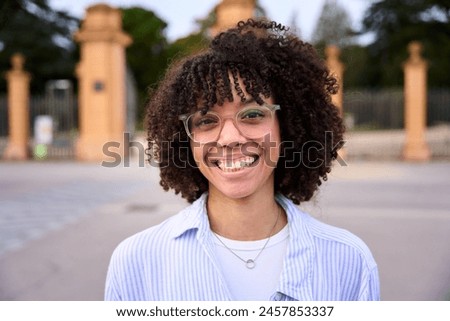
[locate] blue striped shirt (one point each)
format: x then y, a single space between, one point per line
175 260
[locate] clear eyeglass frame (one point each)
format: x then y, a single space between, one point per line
185 118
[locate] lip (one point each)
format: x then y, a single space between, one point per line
231 158
233 165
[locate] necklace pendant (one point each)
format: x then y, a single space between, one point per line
250 264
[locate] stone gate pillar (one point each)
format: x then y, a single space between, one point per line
18 110
415 93
230 12
102 88
337 70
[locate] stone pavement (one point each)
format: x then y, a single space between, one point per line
60 221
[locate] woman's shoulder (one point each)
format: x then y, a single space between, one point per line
156 236
332 241
329 233
325 236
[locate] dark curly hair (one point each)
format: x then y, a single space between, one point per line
271 63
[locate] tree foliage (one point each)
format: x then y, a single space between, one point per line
333 26
195 41
43 35
356 61
397 22
148 55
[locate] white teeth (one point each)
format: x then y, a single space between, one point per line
229 165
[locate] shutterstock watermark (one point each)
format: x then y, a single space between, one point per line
310 154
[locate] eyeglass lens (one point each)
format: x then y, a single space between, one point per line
252 122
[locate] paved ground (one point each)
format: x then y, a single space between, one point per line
59 223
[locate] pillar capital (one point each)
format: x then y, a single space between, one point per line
415 49
17 61
17 68
103 23
230 12
113 36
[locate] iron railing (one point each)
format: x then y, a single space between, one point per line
384 108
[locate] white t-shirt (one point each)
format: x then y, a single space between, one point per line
260 282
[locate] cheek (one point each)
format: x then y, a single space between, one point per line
197 152
271 146
274 153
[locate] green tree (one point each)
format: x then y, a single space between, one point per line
195 41
187 45
357 68
43 35
397 22
333 26
147 56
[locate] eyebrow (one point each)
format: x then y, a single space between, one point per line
248 101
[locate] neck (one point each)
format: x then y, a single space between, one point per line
246 219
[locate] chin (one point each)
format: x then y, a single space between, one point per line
243 188
233 193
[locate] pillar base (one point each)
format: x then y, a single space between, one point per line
416 153
16 152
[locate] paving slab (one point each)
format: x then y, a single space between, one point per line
60 222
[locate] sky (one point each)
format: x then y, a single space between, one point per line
181 14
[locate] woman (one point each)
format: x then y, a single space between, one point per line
245 131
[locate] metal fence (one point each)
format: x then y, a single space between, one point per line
3 123
370 109
374 109
59 109
438 109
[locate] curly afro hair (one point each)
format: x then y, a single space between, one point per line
271 63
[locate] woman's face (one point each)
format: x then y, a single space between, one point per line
236 166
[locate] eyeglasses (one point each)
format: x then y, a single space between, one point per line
253 122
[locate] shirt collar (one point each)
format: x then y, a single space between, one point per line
295 280
193 217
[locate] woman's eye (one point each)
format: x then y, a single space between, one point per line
253 114
206 121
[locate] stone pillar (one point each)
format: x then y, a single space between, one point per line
230 12
415 91
102 82
18 110
337 70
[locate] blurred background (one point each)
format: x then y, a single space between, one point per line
373 37
62 214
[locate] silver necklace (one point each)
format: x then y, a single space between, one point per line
251 263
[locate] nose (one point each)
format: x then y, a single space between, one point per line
230 135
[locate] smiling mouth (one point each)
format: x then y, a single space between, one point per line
235 165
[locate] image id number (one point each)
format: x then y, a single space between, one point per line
293 311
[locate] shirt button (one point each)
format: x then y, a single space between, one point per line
278 296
